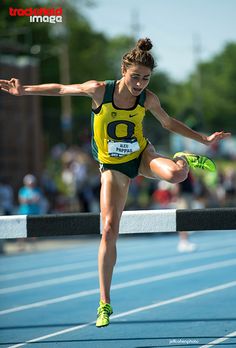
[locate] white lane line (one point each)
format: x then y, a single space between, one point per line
43 283
120 269
176 259
134 311
50 301
47 270
83 264
141 281
34 272
59 268
219 340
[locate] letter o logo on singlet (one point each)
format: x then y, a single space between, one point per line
111 129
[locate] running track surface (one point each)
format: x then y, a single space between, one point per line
160 298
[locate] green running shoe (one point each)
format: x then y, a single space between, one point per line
103 314
197 161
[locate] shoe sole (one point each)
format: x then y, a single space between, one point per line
100 327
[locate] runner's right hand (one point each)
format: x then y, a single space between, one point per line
12 86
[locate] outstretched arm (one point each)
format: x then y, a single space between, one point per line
153 105
15 87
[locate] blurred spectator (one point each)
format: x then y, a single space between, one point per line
29 196
31 202
6 203
180 196
162 196
50 191
79 181
229 186
6 197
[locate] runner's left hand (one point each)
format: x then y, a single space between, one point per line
216 137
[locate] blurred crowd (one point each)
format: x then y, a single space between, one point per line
71 183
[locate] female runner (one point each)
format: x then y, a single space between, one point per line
119 146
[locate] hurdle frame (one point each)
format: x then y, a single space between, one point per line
132 222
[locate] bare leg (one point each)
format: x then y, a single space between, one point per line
154 165
113 196
183 236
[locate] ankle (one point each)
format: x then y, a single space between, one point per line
105 300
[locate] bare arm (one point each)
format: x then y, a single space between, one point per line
14 87
153 105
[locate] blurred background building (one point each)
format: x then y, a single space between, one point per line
21 140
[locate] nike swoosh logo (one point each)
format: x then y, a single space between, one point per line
132 115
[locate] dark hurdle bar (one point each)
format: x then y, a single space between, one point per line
63 224
206 219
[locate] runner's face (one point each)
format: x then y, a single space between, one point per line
136 78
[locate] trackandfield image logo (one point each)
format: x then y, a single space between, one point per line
38 15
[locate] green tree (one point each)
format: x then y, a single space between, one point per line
219 89
206 101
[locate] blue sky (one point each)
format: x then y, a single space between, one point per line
174 26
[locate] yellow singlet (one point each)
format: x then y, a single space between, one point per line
117 134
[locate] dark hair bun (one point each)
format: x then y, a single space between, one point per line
144 44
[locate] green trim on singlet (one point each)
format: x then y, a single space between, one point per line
109 91
93 142
110 85
142 98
